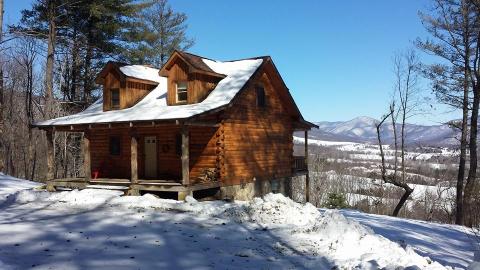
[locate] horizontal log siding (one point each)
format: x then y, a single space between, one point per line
257 141
203 151
110 166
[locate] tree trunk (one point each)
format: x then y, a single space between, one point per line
2 148
52 35
403 199
463 154
459 218
472 172
394 127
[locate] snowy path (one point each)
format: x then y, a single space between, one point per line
448 244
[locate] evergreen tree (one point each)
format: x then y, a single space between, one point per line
85 32
163 31
454 28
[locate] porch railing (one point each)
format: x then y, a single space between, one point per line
299 164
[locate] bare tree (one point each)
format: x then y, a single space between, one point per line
391 178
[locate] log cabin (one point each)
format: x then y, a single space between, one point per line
194 125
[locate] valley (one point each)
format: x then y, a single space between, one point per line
352 168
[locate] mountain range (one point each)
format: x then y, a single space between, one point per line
363 130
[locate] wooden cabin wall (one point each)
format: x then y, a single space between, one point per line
110 166
178 72
203 149
111 81
130 91
134 92
199 85
258 141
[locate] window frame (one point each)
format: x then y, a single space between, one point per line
261 96
184 90
115 150
112 105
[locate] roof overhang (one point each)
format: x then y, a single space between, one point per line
114 67
191 68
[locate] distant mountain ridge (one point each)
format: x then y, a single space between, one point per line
363 130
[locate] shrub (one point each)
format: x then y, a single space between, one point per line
336 201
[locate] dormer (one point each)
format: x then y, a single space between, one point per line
190 80
125 85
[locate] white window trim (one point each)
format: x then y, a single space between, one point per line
176 92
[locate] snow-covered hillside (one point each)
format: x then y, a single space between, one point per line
363 130
101 229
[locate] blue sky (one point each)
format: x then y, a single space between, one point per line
335 58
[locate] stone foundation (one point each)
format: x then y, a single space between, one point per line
258 188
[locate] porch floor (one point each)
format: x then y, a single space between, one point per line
130 187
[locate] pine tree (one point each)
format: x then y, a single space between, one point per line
163 30
87 32
454 27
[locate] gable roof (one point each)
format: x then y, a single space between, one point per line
195 63
236 74
140 72
154 105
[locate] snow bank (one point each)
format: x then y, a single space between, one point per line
10 185
355 246
274 209
93 198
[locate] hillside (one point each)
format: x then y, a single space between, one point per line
102 229
362 130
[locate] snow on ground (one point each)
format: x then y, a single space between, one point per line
96 228
447 244
9 185
320 142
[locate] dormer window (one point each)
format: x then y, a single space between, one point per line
115 98
182 92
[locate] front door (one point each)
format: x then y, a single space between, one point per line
150 157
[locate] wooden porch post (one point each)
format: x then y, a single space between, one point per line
185 156
50 155
134 158
307 177
87 164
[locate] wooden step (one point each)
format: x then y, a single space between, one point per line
107 187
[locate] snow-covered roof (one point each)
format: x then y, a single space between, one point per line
141 72
154 105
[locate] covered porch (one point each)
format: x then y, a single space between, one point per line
177 157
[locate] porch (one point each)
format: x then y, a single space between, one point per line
159 157
129 187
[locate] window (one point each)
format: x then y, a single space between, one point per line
178 144
181 92
260 97
115 98
114 145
